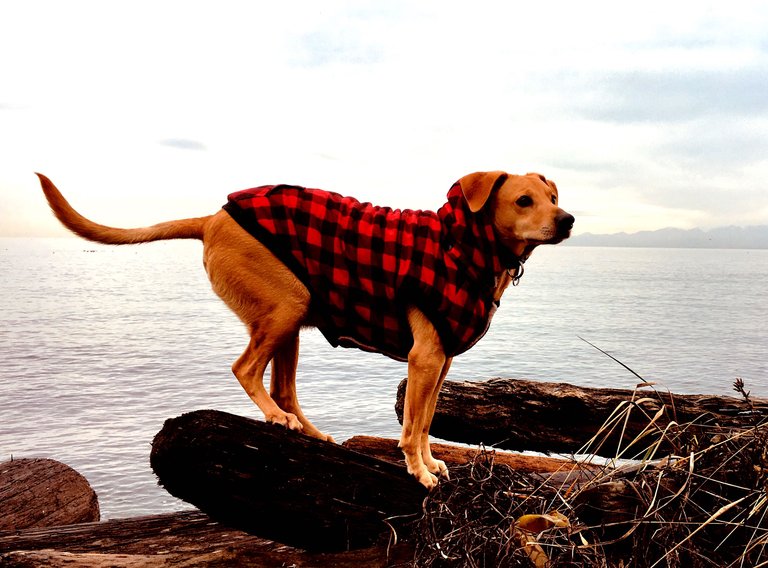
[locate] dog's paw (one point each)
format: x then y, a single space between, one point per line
424 477
319 435
287 420
311 431
438 467
427 479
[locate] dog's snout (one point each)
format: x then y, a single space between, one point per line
564 222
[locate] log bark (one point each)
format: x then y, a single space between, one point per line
516 414
44 493
188 538
281 485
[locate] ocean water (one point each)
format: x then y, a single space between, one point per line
101 344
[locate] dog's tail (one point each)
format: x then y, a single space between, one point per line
72 220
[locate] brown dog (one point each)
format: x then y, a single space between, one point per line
507 216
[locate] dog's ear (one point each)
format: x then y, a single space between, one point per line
549 182
477 187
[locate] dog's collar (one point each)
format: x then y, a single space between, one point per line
512 263
516 271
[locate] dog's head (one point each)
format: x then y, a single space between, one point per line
523 209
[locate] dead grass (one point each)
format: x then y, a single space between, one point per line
701 505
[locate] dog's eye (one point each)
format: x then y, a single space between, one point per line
524 201
554 200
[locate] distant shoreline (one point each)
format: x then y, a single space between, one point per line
750 238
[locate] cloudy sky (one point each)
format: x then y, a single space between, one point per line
647 115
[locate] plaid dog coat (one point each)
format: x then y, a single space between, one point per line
364 264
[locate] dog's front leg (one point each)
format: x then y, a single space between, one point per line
426 362
437 467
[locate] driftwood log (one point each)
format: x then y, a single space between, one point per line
177 539
280 485
547 469
561 418
44 493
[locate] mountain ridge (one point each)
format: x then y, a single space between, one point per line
730 237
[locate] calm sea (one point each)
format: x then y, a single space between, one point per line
100 345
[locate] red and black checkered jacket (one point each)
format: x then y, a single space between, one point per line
364 264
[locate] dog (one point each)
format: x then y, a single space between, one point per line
418 286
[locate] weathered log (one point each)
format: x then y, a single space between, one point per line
44 493
188 538
549 469
282 485
517 414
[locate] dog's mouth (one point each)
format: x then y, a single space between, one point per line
553 234
557 232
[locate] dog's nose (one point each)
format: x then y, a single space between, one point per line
564 222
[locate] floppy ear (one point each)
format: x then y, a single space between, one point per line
477 187
549 182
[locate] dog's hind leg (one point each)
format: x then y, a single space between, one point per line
283 385
249 370
265 295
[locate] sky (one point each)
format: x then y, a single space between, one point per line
646 115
